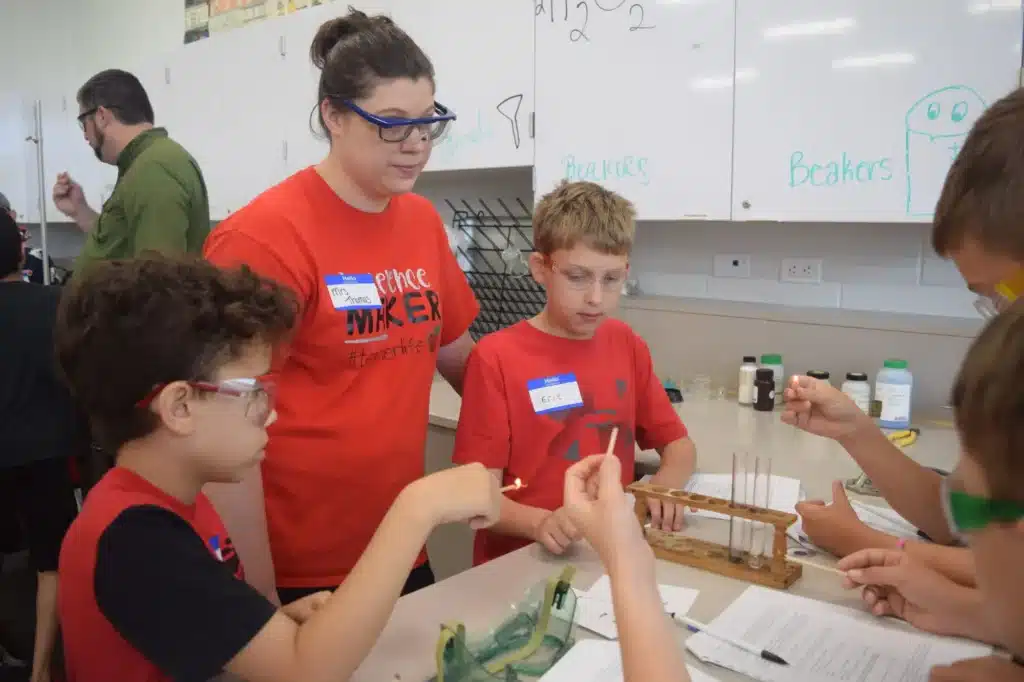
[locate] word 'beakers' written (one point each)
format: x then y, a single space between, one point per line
844 170
626 168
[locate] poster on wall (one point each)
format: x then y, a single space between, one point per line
205 17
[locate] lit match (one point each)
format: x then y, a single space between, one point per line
515 486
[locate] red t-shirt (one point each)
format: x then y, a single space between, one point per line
511 420
354 384
151 589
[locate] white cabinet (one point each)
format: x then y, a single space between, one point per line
221 106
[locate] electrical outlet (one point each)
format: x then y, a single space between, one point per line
801 270
731 265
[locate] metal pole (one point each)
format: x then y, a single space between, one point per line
43 230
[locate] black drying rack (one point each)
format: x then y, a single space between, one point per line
493 243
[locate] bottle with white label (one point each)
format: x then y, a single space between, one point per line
745 393
858 389
894 385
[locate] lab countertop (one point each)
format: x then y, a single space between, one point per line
480 597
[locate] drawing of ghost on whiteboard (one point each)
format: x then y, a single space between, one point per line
937 125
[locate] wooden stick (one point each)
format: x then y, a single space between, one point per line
812 564
518 485
611 441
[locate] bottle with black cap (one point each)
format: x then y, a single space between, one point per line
858 389
819 374
764 390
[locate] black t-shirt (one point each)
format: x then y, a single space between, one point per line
38 419
151 589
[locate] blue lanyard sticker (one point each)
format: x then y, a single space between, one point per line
553 394
352 292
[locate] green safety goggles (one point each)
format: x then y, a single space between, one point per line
966 513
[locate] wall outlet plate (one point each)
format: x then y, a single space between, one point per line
801 270
732 265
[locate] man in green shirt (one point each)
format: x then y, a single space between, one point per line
159 202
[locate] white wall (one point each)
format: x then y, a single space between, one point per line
865 266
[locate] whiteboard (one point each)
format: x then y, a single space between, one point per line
482 51
637 95
853 110
219 106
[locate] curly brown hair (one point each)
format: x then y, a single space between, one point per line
989 403
126 326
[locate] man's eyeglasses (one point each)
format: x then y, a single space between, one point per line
259 395
965 512
398 129
84 115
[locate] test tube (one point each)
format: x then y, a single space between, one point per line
732 503
761 498
750 498
738 528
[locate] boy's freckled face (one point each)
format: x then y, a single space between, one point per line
583 287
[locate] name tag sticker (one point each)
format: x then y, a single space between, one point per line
352 292
553 394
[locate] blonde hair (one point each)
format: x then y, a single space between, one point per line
587 213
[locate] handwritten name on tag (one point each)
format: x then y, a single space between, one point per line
352 292
553 394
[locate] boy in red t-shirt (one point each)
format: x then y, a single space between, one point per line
169 356
546 391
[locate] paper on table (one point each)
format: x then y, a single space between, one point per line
821 641
595 612
785 491
594 660
880 518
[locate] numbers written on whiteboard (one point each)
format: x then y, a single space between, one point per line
577 33
636 13
578 15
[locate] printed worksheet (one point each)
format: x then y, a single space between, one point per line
593 660
822 642
595 612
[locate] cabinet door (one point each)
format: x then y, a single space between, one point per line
65 150
18 168
296 108
220 102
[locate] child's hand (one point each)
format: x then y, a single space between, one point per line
665 515
895 585
556 531
820 408
303 609
597 504
465 493
834 527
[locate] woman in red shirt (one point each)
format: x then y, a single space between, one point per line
384 304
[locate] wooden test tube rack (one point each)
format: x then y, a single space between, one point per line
774 572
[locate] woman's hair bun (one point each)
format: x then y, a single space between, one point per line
334 31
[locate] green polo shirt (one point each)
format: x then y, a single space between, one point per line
159 203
